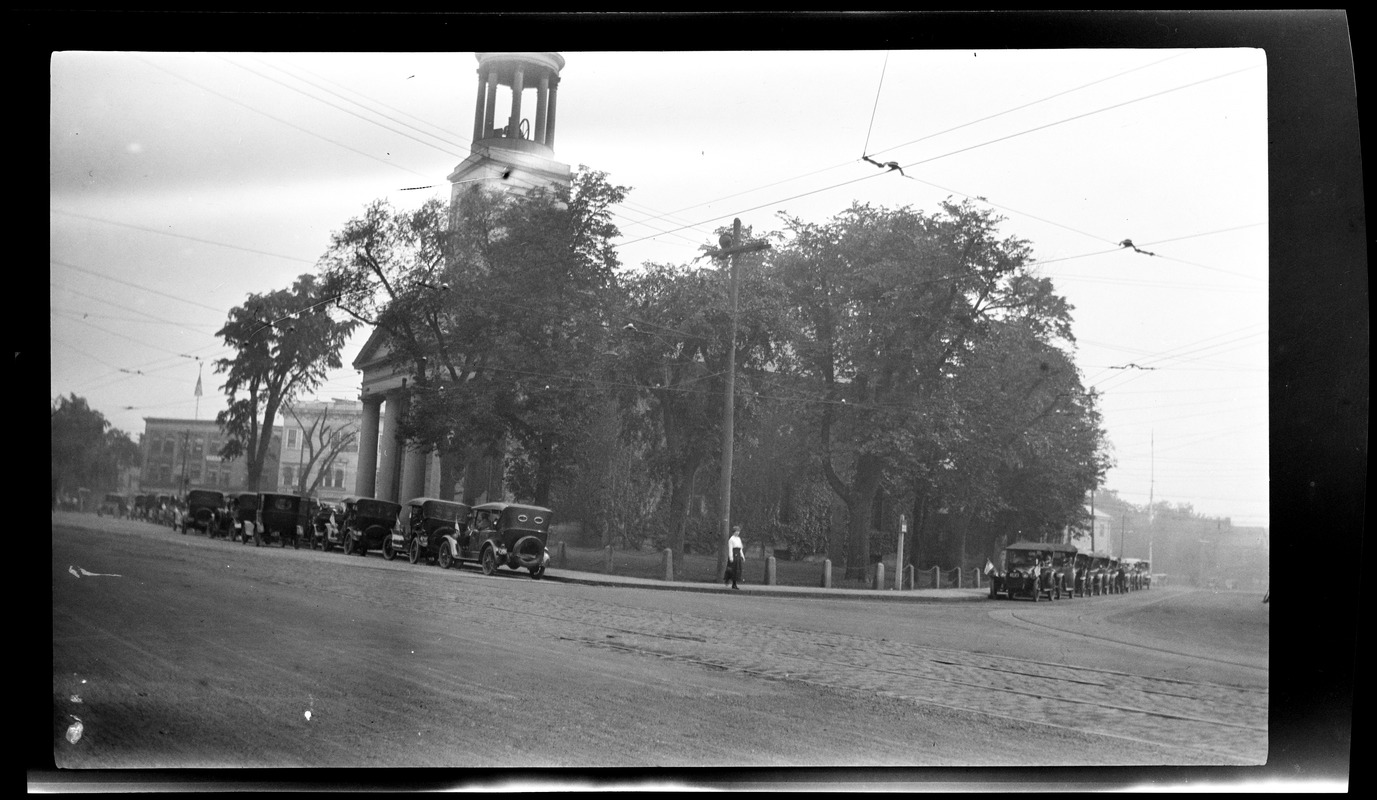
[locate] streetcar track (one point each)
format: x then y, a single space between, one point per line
1150 648
923 700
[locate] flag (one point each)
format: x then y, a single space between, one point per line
198 385
989 567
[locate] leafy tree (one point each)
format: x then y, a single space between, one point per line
285 342
1027 443
86 451
501 306
888 301
672 364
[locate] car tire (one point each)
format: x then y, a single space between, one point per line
348 546
389 552
489 561
1037 593
444 560
537 573
413 553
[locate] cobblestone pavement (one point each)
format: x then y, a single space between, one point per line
1205 722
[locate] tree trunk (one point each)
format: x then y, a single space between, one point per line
680 500
863 486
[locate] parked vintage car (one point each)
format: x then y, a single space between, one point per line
328 527
114 504
204 509
1027 572
1146 575
368 524
139 506
244 516
503 535
423 527
1080 587
1131 570
1063 569
279 520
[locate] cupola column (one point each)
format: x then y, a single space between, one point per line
491 108
514 125
550 113
542 97
478 108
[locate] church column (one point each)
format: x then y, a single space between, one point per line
386 484
542 97
517 87
550 113
413 475
478 109
368 448
490 110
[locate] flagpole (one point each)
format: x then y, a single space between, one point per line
199 365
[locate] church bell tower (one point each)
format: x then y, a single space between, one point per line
513 125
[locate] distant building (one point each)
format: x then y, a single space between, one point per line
182 454
329 431
1103 540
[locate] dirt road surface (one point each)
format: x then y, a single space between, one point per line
179 651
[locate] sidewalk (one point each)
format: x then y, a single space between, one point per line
761 590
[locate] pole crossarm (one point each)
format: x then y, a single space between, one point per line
748 247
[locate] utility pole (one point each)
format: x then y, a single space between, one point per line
1092 520
731 247
186 445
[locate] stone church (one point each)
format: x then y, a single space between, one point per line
512 153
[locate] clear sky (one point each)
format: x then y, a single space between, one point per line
182 182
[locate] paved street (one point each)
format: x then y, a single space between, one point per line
183 651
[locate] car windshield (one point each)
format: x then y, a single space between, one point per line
1021 559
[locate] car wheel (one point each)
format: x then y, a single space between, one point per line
414 553
445 560
1037 594
537 573
388 552
489 561
349 544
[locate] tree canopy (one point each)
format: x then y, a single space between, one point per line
87 452
285 342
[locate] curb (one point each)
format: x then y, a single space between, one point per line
958 596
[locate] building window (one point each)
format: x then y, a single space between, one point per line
193 474
168 447
339 479
292 443
286 476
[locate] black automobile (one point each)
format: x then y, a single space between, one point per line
204 509
502 535
1080 586
279 520
1027 572
368 524
328 532
114 504
426 528
244 516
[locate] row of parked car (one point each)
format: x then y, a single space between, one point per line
425 529
1042 569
